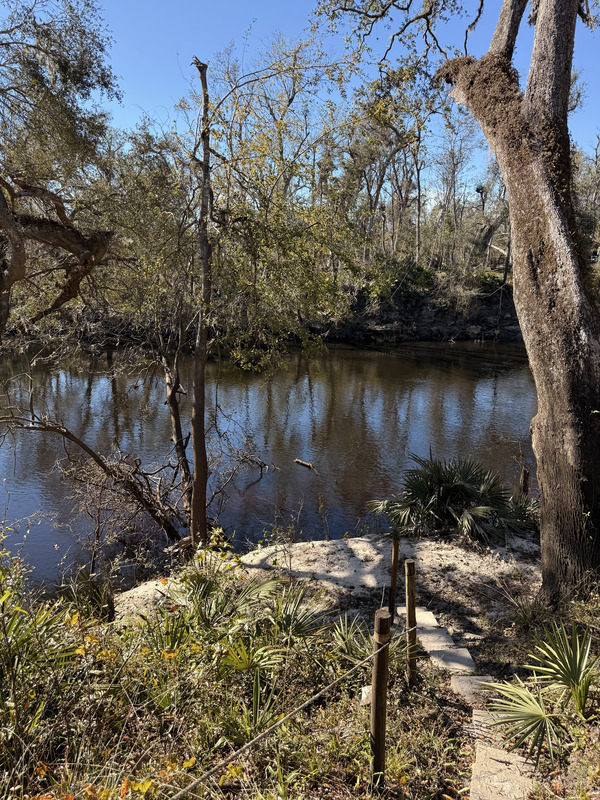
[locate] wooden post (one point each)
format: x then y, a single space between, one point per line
381 638
524 481
411 621
394 574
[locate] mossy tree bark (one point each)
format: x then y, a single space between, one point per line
555 294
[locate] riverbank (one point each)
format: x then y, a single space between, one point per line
464 584
467 315
445 312
484 600
151 702
198 664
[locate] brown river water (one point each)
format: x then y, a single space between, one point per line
356 415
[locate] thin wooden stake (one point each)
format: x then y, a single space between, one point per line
394 573
411 621
381 638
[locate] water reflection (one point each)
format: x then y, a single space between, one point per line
355 415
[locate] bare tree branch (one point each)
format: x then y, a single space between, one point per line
28 190
471 27
131 480
18 228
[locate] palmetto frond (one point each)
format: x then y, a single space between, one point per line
526 717
458 494
565 662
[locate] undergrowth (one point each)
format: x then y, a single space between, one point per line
549 710
140 707
458 496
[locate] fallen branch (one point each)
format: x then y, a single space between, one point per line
306 464
129 478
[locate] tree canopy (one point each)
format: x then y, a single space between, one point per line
53 70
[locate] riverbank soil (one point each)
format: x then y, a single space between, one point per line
445 315
469 587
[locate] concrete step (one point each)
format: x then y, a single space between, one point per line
480 728
498 775
469 687
455 659
439 645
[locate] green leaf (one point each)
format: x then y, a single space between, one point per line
527 719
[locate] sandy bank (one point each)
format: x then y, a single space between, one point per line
354 569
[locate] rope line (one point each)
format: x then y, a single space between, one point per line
209 774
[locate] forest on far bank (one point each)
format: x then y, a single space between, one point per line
337 204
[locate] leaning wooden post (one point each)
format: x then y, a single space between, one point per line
411 621
381 638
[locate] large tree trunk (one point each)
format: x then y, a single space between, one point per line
561 330
554 294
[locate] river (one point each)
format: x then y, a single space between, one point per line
356 415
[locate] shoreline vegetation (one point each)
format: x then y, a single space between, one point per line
197 664
430 315
137 694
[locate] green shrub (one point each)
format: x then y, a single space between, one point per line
544 711
90 595
37 651
485 282
457 495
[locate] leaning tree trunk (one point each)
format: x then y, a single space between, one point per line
554 293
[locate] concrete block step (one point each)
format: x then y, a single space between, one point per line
425 618
480 727
498 775
457 660
434 639
469 687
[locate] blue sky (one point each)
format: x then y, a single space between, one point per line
154 44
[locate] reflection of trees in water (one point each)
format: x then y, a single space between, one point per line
357 419
355 415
